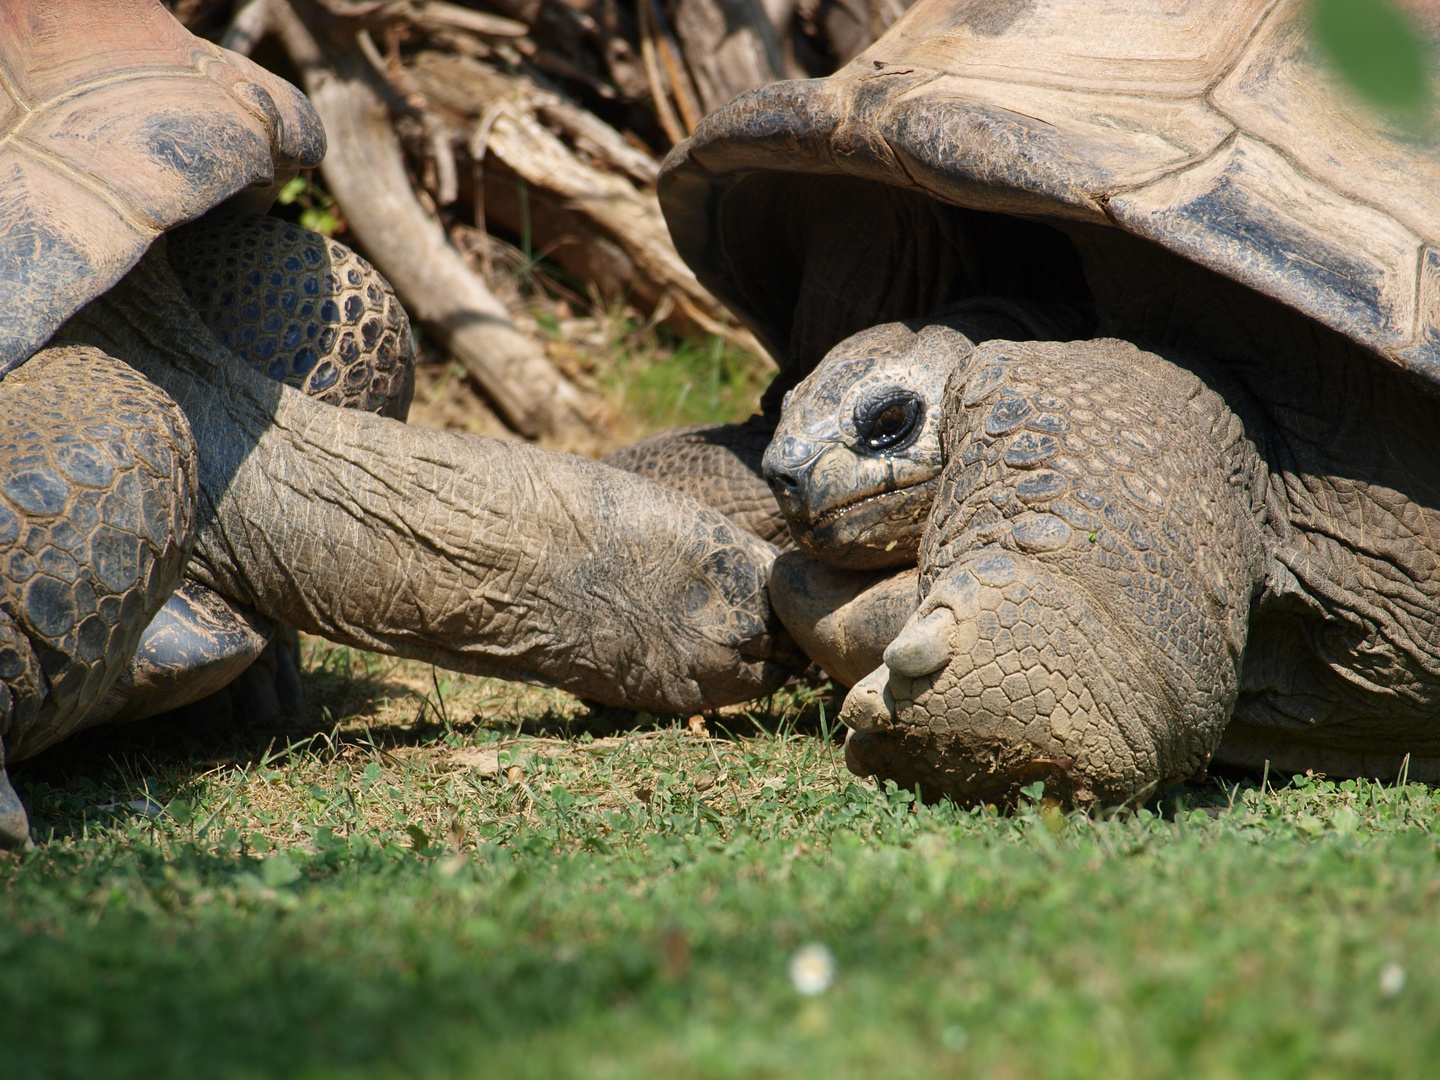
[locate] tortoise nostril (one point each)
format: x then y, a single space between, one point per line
785 478
787 463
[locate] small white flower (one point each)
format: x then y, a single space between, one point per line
812 969
1392 979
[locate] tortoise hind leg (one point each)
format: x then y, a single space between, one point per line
1087 576
299 307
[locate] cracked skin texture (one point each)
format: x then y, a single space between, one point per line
480 555
1086 575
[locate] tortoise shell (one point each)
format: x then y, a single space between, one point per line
1209 127
116 124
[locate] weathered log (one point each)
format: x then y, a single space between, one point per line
247 27
562 235
659 84
595 137
630 215
365 172
730 46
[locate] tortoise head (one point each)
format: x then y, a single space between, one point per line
856 457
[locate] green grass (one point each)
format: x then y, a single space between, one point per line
670 382
437 876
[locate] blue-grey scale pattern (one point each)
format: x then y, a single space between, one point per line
301 308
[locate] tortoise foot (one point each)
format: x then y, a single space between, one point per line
269 688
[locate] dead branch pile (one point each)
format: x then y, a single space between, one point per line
468 137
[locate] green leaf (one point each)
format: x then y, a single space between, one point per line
291 191
180 810
1376 50
321 221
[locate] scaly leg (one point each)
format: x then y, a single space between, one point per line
1087 575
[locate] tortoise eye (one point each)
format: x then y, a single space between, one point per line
890 422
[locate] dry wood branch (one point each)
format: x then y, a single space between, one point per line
669 50
730 47
595 137
371 13
435 13
659 87
365 172
251 21
628 214
447 185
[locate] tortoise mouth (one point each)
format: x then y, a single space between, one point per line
873 503
881 529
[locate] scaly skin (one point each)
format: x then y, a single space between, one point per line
480 555
1087 575
718 464
298 307
97 515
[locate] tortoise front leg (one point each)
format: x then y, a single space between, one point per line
97 515
842 619
1086 580
481 555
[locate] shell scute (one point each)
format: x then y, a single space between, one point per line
1211 127
115 125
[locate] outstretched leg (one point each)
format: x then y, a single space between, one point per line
307 311
484 556
1087 575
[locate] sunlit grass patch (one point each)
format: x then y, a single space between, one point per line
665 382
438 875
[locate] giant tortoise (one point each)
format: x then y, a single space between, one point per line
143 444
1184 504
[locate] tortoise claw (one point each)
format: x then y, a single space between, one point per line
869 706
